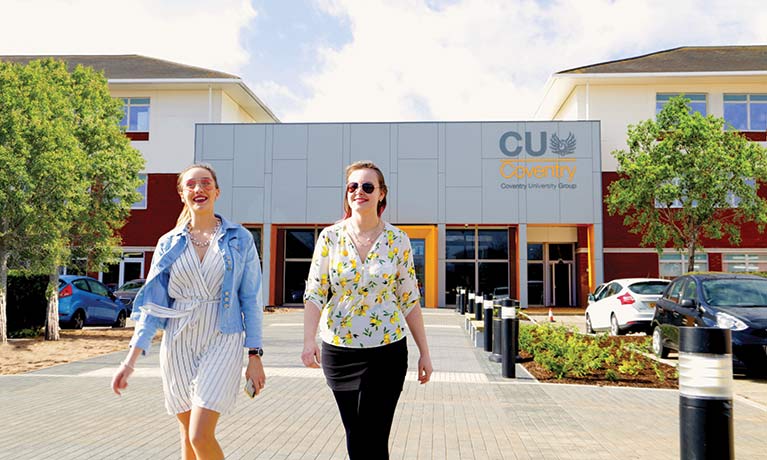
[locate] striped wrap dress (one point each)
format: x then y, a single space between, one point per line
201 366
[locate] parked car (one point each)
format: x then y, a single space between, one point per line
127 292
84 301
500 293
724 300
624 305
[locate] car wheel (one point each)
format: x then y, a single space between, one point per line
658 348
78 320
589 329
614 328
120 323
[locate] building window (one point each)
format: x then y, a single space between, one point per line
142 189
697 101
477 259
744 263
299 248
746 112
673 264
256 232
135 119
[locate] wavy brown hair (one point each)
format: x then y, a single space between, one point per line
381 185
186 214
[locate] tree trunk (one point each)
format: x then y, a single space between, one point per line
52 318
3 295
690 256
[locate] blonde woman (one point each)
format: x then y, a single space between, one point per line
203 290
363 293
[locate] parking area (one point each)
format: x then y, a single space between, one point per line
467 412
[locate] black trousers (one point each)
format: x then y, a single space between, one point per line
367 411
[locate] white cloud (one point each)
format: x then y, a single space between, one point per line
489 59
193 32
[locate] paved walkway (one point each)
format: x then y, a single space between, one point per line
467 412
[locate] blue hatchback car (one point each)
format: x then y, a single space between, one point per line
723 300
84 301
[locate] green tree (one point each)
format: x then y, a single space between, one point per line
685 178
67 173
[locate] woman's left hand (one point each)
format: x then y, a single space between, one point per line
424 369
255 372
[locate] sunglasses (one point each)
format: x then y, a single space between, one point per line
367 187
206 184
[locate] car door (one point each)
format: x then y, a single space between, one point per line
677 314
690 316
604 305
666 308
86 300
107 310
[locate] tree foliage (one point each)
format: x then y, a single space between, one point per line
685 178
68 174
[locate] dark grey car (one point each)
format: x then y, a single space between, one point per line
127 292
724 300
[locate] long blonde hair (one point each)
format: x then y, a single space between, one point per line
381 185
186 214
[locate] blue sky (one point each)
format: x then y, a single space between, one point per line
382 60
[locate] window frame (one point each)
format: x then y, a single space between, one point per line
663 98
128 104
681 259
143 189
762 100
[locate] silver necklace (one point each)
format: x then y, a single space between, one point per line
203 244
366 240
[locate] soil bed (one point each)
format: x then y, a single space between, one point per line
646 378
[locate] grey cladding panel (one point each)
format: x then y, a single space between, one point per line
417 191
462 204
249 155
223 170
576 196
462 152
499 205
217 143
325 204
290 141
248 204
417 140
288 196
371 142
325 155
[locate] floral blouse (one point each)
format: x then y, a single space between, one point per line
368 299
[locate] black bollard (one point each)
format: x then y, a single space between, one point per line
480 307
470 308
497 334
458 300
508 347
705 393
464 301
489 325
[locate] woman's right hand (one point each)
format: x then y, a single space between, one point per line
120 379
311 355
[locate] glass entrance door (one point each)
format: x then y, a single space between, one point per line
419 261
561 283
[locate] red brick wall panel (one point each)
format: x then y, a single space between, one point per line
146 226
630 265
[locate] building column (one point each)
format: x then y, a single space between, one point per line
441 282
266 263
522 252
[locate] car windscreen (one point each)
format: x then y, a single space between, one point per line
648 287
734 292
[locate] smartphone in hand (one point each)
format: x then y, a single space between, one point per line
250 389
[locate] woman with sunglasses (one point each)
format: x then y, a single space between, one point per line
203 290
363 293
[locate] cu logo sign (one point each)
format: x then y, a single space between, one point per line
512 143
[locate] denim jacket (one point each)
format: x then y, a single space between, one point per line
240 308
